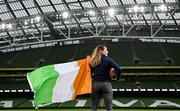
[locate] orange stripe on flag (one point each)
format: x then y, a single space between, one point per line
83 82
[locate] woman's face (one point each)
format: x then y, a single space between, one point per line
105 51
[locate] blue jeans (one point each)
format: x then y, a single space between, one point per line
102 89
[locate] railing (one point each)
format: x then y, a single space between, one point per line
139 70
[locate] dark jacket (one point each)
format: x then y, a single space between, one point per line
101 71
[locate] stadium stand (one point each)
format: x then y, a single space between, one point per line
5 58
60 54
27 58
149 53
121 52
173 52
84 50
125 53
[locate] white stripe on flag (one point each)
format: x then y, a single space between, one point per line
63 89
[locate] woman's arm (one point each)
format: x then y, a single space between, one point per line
116 67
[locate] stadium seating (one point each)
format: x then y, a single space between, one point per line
125 53
84 50
5 58
149 53
27 58
173 52
121 52
60 54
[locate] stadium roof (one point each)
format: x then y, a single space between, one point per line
28 21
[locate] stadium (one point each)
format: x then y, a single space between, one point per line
142 36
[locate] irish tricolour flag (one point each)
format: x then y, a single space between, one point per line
60 82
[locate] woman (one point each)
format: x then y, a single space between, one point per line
100 66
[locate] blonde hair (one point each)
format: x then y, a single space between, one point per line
95 58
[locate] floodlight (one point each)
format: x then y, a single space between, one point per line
37 19
25 22
142 9
135 8
111 12
130 10
3 25
65 15
91 12
9 26
32 21
163 8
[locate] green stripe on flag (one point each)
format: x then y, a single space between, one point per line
42 81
